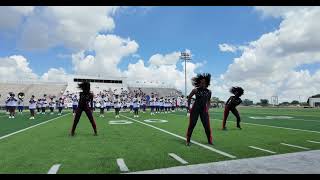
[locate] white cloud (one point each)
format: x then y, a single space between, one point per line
136 10
15 68
12 16
227 48
267 65
168 59
159 71
278 11
55 75
24 10
68 26
109 51
136 56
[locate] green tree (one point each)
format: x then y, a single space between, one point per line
215 99
284 104
295 102
264 102
247 102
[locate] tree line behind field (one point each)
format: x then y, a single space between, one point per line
215 101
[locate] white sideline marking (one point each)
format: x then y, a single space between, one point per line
194 142
176 157
254 147
280 127
265 125
294 146
305 120
313 141
5 136
122 165
54 169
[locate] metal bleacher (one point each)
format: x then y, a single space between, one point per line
36 89
161 92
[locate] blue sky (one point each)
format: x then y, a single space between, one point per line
165 30
267 50
200 29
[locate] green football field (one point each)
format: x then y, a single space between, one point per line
144 143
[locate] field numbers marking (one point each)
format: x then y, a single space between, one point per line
120 122
155 120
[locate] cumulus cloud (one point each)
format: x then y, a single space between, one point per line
227 48
12 16
277 11
15 68
83 29
109 51
71 27
268 65
168 59
163 68
55 75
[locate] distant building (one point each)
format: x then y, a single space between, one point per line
314 101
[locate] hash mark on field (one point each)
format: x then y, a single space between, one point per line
313 141
176 157
54 169
254 147
5 136
295 146
194 142
122 165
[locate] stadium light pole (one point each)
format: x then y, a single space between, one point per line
185 56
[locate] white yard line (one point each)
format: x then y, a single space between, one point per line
122 165
264 125
278 127
194 142
316 142
5 136
273 119
254 147
176 157
291 145
304 120
54 169
273 114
